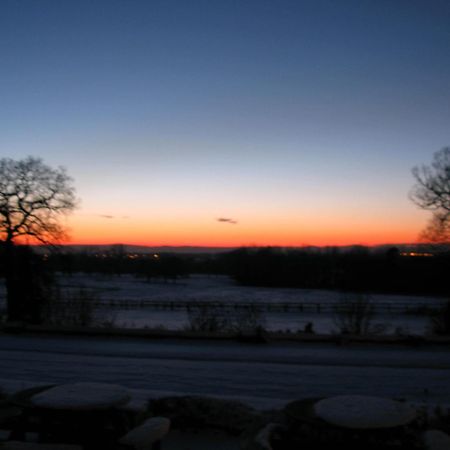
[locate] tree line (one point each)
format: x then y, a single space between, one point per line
358 269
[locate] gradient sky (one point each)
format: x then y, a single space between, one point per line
300 120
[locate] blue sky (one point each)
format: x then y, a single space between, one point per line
265 111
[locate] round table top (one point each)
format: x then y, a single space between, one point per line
364 412
82 397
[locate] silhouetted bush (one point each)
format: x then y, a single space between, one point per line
353 314
77 309
207 318
248 320
214 319
440 320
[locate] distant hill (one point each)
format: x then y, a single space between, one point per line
192 250
142 249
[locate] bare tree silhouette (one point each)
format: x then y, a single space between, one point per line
432 192
32 198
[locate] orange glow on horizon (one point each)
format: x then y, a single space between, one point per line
213 234
255 228
244 243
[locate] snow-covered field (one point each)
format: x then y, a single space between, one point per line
221 288
261 375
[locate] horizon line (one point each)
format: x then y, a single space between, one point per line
237 246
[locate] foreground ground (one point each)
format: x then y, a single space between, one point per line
264 375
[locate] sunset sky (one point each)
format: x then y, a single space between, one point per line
297 121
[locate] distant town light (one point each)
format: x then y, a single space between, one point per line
420 254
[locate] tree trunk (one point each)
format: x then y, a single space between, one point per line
13 303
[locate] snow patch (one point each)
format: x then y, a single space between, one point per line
363 412
82 396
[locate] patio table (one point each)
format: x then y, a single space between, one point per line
86 413
351 422
82 397
364 412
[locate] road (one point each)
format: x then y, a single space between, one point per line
262 375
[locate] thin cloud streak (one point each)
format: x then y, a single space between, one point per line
227 220
109 216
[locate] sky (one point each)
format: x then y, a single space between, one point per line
295 122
